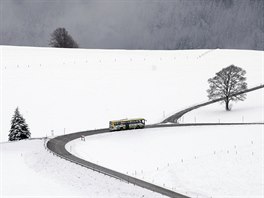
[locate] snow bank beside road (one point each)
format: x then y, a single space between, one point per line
250 110
204 161
28 170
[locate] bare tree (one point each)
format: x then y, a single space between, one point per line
227 82
61 38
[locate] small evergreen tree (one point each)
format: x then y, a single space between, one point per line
19 129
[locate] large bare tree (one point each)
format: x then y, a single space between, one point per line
61 38
226 83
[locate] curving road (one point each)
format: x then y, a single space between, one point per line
175 117
57 146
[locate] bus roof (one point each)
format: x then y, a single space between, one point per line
128 119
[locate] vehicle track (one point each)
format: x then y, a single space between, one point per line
57 146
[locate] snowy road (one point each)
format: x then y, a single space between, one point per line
57 145
175 117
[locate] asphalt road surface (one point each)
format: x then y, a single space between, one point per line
175 117
57 146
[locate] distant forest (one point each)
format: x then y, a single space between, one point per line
146 24
210 24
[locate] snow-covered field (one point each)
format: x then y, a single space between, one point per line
250 110
64 90
205 161
28 170
72 90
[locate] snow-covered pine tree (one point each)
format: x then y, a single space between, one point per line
19 129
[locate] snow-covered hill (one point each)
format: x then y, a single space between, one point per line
28 170
204 161
250 110
65 90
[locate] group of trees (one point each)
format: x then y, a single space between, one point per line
199 24
179 24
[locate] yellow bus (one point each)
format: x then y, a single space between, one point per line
137 123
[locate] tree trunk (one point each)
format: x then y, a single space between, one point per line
227 105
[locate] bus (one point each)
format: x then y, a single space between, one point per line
125 124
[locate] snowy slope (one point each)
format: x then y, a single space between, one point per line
28 170
65 90
72 90
205 161
250 110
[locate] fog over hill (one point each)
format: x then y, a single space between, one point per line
145 24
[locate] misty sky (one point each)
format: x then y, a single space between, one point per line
92 24
127 24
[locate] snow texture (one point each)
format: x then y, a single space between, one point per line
205 161
28 170
62 90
